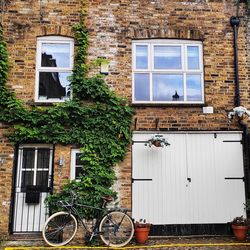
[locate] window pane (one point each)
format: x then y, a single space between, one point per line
79 171
193 57
43 158
54 85
141 83
141 56
55 55
28 158
42 179
27 178
194 88
78 159
167 87
167 57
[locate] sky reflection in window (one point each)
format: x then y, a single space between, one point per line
194 88
193 57
166 85
55 55
141 56
167 57
141 86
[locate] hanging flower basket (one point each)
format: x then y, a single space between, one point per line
158 141
240 113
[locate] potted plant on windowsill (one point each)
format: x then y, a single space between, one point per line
142 229
240 228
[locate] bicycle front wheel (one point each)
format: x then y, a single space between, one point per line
59 229
116 229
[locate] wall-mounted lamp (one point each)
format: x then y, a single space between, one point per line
61 161
104 66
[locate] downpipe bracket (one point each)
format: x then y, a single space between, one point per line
234 21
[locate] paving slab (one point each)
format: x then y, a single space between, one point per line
169 243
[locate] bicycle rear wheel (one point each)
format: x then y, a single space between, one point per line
59 229
116 229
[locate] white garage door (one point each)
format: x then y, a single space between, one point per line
198 179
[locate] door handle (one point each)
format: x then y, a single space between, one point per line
189 179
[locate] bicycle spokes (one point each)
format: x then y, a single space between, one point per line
59 229
116 229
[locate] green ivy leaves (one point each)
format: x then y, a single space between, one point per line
95 119
3 60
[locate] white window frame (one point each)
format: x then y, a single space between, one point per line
183 71
39 68
73 165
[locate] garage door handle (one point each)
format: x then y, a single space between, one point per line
235 178
141 180
189 179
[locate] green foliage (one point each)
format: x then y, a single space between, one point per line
3 60
95 119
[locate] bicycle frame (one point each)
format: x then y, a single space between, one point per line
71 209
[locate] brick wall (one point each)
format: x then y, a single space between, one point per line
23 22
116 24
112 27
6 154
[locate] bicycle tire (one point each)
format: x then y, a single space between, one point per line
59 229
116 229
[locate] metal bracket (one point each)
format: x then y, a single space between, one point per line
133 180
233 141
139 142
235 178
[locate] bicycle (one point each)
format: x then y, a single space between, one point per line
115 227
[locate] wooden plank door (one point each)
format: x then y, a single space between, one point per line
195 180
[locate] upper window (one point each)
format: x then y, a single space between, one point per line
167 71
53 68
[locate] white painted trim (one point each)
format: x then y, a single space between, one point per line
35 166
151 87
50 146
54 38
166 41
39 68
187 132
168 102
185 87
72 163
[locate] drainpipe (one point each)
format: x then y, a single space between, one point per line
235 22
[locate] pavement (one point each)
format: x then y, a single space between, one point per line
168 243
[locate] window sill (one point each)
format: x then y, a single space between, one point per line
178 105
33 103
43 103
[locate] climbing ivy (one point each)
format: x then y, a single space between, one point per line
3 60
95 119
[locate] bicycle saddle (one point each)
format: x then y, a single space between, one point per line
107 198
